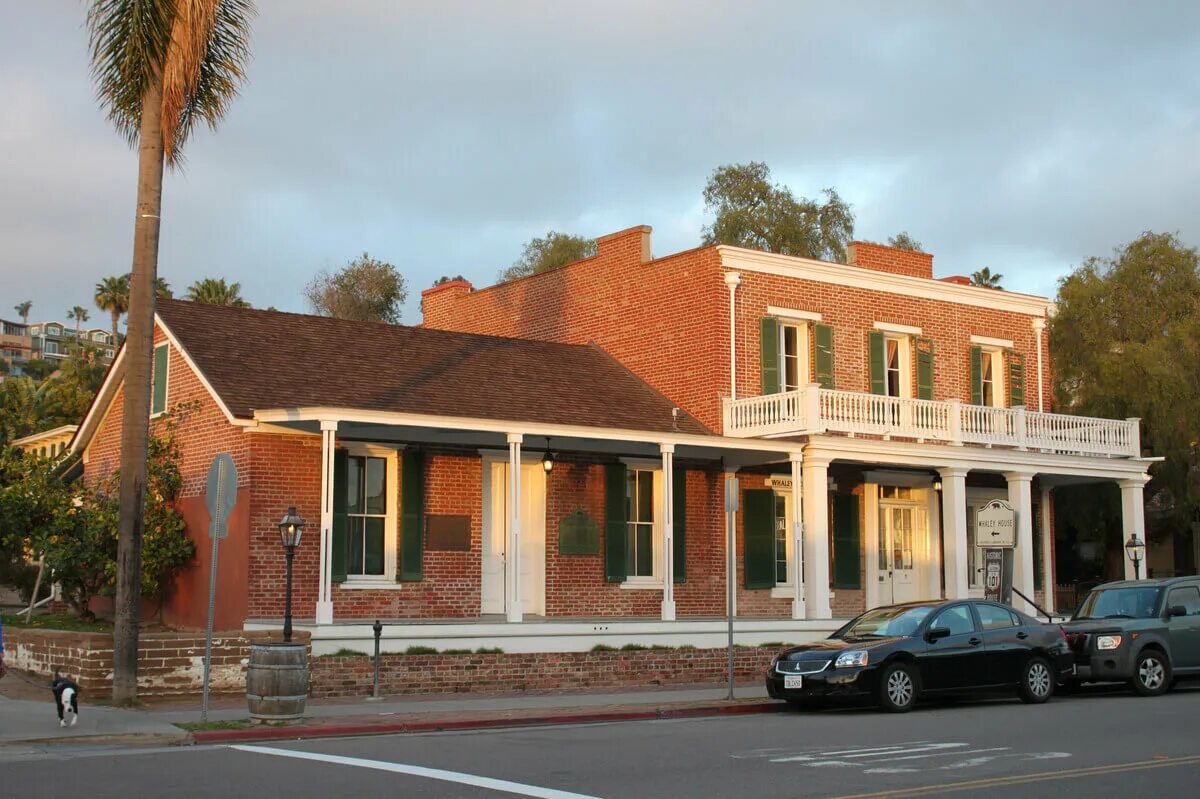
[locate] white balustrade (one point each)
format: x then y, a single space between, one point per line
817 410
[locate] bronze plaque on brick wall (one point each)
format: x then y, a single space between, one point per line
578 534
448 533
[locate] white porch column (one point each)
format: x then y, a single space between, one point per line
668 569
815 470
798 609
512 559
956 560
1133 520
325 569
1044 524
1020 496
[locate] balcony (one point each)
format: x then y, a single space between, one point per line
814 410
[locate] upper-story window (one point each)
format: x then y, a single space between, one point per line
101 337
997 374
795 350
900 361
53 330
158 396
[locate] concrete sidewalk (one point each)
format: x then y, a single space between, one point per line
31 720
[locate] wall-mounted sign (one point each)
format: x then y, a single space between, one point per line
996 525
448 533
578 534
778 483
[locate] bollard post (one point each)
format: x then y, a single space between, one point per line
378 628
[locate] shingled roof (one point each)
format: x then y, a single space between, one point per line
258 360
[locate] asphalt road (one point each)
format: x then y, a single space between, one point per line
1100 744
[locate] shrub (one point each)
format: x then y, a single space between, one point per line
604 648
346 653
456 651
485 650
421 650
632 648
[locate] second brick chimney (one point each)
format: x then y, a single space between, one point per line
631 244
882 258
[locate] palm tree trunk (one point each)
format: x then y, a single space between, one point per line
116 320
135 422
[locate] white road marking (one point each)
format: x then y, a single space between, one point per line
941 754
868 752
419 771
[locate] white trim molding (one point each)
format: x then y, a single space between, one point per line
792 313
986 341
889 327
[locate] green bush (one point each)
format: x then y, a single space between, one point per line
346 653
604 648
660 647
632 648
456 651
421 650
484 650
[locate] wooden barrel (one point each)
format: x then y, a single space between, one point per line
277 681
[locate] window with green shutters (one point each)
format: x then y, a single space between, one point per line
412 515
614 523
847 542
768 339
876 362
988 377
924 349
758 523
976 375
370 532
823 355
1016 379
679 531
158 396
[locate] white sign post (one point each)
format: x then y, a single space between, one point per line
996 535
732 496
220 496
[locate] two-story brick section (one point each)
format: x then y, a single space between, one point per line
547 464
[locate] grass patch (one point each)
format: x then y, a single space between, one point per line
687 648
633 647
199 726
57 621
772 645
604 648
489 650
660 647
456 651
421 650
346 653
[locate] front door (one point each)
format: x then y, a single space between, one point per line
901 532
532 577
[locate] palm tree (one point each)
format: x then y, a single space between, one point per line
214 291
22 309
112 295
79 314
986 278
160 66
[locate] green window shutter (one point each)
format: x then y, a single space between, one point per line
758 524
768 328
339 539
1016 380
615 523
847 542
875 360
679 496
924 349
412 513
159 397
976 376
823 347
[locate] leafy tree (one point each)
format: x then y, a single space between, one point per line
366 290
22 309
1125 342
160 66
22 407
986 278
215 291
5 366
903 241
753 212
548 252
112 295
447 279
39 368
79 314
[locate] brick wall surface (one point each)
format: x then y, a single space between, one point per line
503 673
168 663
881 258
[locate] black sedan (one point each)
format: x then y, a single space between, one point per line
897 654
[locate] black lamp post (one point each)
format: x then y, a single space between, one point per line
1135 548
291 527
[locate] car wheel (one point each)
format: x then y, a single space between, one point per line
1037 682
1151 673
898 688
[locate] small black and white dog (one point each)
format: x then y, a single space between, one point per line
66 699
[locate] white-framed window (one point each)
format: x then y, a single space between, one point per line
53 330
372 511
794 371
992 377
644 521
897 365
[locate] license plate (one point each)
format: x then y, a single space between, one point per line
793 681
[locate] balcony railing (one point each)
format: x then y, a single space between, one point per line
818 410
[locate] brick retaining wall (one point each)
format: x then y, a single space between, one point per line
169 663
334 676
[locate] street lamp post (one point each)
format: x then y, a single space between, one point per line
1135 548
291 527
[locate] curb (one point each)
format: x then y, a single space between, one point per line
181 738
351 728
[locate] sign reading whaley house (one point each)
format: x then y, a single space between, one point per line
996 525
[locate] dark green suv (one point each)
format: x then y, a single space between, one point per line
1144 632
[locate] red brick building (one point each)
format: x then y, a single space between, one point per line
544 464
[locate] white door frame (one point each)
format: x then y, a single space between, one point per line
495 529
925 542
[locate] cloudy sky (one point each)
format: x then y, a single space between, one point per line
442 135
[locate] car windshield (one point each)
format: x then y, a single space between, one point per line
894 622
1119 603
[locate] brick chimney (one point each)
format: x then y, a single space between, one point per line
437 302
882 258
632 244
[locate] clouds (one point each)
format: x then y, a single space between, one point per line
441 136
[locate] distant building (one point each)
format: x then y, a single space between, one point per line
16 346
49 443
53 341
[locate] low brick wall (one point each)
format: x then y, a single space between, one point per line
334 676
169 663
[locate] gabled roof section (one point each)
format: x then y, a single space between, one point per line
259 360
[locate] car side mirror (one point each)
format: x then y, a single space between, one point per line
1177 610
937 633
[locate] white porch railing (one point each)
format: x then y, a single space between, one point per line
817 410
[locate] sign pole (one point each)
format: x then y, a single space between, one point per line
731 507
212 601
220 494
